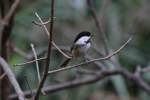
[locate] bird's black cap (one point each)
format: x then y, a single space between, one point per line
81 34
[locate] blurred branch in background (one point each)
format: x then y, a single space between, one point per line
99 26
118 82
7 9
9 15
12 78
97 76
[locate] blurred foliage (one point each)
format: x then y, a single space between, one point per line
120 18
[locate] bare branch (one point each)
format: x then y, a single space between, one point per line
99 75
65 55
137 79
12 78
47 32
8 10
11 11
43 58
32 61
98 25
20 52
48 54
93 60
44 23
36 61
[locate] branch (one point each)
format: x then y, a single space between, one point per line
43 58
32 61
41 24
8 9
48 54
98 25
48 34
65 55
37 65
137 79
99 75
93 60
11 11
20 52
12 79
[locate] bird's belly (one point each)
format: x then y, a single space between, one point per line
81 50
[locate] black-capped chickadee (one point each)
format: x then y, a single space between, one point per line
80 46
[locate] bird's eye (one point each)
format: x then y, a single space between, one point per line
88 41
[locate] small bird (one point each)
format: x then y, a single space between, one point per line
80 46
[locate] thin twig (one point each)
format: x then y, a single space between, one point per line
43 58
40 59
48 53
20 52
12 78
64 54
28 62
47 32
93 60
44 23
36 62
39 24
37 66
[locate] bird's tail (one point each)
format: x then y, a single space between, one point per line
65 63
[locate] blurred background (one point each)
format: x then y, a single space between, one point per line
119 20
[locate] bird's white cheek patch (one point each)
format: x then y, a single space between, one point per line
83 40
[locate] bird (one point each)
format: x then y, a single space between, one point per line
80 46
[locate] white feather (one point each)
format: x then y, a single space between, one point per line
83 42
